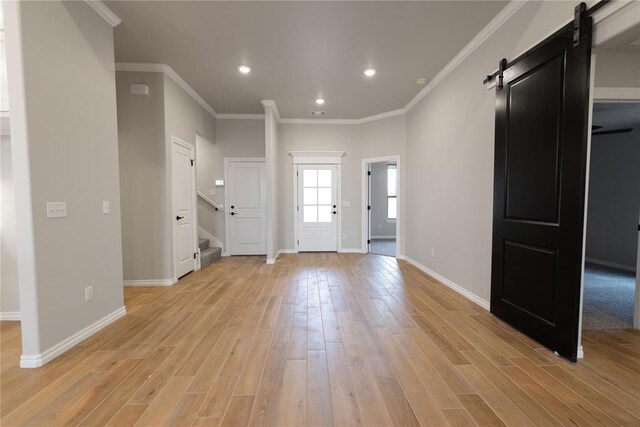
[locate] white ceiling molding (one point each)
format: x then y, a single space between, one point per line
505 14
240 116
367 119
317 157
103 10
602 94
272 104
164 68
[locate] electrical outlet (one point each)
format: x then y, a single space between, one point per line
344 236
433 253
105 207
88 293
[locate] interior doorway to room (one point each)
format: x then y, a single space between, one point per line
610 297
246 198
184 206
383 207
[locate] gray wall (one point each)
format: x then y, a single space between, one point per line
65 148
450 144
234 138
9 292
617 69
614 198
145 127
141 141
380 226
184 118
375 139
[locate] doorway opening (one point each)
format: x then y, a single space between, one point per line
381 206
383 203
613 215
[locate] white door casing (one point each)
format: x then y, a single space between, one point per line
366 197
183 212
317 208
246 201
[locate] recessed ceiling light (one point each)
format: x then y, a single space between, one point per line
370 72
244 69
319 101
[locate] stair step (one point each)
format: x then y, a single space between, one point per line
203 244
209 256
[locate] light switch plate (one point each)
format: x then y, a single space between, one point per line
56 209
105 207
219 182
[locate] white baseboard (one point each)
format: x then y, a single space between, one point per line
383 237
10 316
459 289
38 360
271 261
151 282
287 251
611 264
350 251
580 352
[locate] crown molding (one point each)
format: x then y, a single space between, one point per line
169 72
103 10
360 121
240 116
270 103
503 16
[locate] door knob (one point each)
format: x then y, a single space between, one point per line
334 206
232 213
232 207
335 212
178 218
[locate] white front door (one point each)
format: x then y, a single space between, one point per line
183 208
317 208
246 202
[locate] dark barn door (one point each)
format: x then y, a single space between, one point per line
539 185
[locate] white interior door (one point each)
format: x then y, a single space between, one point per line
317 208
183 178
247 212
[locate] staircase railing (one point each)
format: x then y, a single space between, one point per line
216 205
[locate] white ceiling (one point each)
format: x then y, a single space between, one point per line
299 51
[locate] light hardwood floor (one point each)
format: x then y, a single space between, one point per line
317 339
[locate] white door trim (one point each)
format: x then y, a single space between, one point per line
192 150
364 193
616 94
227 162
316 158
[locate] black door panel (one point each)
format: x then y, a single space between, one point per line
539 184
